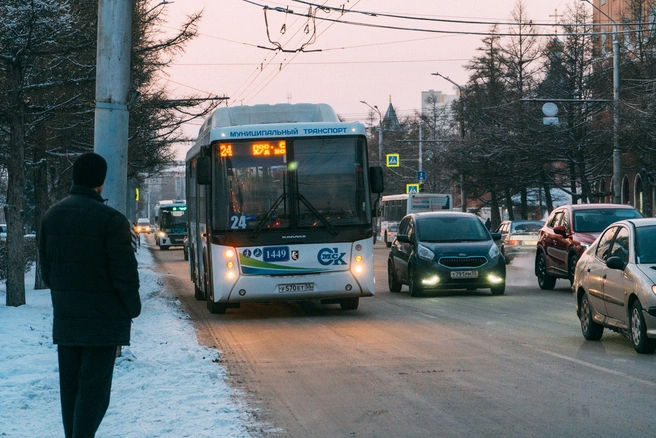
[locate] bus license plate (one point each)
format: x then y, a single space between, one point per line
296 287
464 274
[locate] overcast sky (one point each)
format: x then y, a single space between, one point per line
342 64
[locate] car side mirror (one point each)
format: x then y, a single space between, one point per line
496 236
403 238
560 230
615 262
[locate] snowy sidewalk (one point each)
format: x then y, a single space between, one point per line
165 385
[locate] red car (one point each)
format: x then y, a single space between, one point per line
568 231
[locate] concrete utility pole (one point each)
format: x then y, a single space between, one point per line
112 87
617 154
463 199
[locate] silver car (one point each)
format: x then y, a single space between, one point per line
518 238
615 284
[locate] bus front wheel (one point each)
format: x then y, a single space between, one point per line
350 303
198 293
216 308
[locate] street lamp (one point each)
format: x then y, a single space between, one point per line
162 3
463 200
380 132
617 159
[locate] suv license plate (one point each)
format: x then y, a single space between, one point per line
295 287
464 274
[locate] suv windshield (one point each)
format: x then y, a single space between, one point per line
596 220
451 229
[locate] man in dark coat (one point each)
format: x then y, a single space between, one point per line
88 263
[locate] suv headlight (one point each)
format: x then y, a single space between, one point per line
494 251
425 253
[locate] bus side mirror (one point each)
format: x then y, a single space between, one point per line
376 179
203 170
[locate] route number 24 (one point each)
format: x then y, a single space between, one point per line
237 222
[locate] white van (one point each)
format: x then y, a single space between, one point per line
143 226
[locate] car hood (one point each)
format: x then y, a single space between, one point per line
587 237
649 270
459 249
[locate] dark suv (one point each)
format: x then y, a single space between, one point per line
568 231
445 250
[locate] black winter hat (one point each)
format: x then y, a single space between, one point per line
89 170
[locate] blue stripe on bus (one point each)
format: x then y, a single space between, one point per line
248 270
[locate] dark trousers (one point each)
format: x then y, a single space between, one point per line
85 381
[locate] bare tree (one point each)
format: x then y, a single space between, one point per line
33 35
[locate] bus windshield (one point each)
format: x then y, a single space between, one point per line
296 183
173 220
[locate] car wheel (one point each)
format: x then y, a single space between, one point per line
499 289
590 329
641 342
571 267
545 280
506 259
394 284
415 286
349 303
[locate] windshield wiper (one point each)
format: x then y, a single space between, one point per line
268 215
319 216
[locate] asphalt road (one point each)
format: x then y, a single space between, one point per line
451 364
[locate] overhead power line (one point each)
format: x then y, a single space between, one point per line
440 31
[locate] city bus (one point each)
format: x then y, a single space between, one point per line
170 223
279 207
394 207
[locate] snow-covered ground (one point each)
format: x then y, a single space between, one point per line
165 385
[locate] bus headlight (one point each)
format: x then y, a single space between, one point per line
229 253
358 267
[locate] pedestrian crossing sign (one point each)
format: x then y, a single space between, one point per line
412 188
393 160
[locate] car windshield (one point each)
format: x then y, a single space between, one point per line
645 248
451 229
526 227
597 219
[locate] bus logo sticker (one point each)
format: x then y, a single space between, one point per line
295 254
328 256
257 253
247 253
